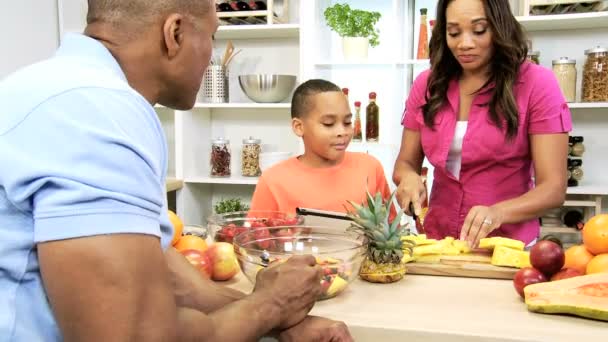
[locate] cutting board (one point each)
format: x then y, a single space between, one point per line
476 265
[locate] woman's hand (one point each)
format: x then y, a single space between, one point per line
411 190
479 223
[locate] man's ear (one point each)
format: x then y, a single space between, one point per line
297 126
173 32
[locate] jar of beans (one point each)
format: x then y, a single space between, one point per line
595 75
250 157
220 158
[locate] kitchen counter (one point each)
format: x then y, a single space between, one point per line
428 308
173 184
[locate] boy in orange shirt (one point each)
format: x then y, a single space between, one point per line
325 176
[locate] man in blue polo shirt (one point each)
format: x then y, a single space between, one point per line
83 224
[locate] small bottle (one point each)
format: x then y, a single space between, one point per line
423 37
220 158
250 157
372 123
357 126
576 148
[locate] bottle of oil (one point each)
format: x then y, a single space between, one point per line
357 126
372 124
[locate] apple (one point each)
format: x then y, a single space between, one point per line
223 259
566 273
527 276
200 260
547 257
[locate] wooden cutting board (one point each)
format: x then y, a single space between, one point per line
475 265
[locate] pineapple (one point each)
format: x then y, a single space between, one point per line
384 262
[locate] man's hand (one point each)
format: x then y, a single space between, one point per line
317 329
293 287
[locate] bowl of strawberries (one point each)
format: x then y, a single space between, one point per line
224 227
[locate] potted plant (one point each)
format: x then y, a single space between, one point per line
356 27
230 205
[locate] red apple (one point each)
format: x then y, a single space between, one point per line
200 260
566 273
547 257
223 259
527 276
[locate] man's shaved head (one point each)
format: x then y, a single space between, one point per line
120 12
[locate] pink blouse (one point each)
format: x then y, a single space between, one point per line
492 169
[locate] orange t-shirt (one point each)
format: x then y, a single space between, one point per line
291 184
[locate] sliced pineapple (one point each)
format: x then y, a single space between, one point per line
436 248
505 256
462 246
491 243
429 259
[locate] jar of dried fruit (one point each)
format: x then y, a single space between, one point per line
220 157
250 157
565 72
595 75
533 56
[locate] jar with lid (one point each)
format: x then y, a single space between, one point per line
220 157
595 75
250 157
565 72
534 57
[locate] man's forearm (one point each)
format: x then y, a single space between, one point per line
192 290
244 320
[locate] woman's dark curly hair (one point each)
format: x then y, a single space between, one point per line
510 51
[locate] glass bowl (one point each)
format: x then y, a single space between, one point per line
339 253
224 227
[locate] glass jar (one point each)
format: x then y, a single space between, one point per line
565 72
595 75
250 157
534 57
220 157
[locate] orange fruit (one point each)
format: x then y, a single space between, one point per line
178 227
599 264
191 242
595 234
577 257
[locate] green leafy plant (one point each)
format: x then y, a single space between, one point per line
349 22
230 205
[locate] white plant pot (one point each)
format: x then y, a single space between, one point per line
355 48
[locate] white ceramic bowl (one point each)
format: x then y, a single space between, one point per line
268 159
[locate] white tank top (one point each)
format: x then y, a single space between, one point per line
455 154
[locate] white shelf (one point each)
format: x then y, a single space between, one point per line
251 105
233 180
564 21
558 230
326 64
258 31
235 14
588 190
588 105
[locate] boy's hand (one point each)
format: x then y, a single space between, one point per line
293 286
411 191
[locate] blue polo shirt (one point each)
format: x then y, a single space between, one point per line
81 154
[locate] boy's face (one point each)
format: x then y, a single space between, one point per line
327 128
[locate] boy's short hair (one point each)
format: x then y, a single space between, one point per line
300 104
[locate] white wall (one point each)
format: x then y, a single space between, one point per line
28 32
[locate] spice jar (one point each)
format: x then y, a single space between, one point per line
220 157
565 72
250 157
595 75
533 56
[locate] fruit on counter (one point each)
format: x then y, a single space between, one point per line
553 238
436 248
200 260
462 246
599 264
527 276
547 257
595 234
585 296
577 257
385 248
188 242
492 242
178 227
223 259
566 273
428 259
505 256
419 239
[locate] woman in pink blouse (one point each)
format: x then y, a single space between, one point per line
485 118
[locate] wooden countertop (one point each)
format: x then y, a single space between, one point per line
429 308
173 184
